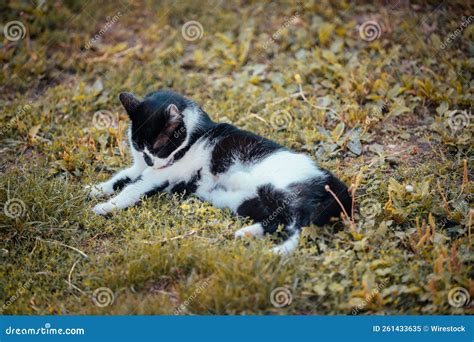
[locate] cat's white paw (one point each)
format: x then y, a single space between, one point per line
287 247
98 190
103 208
281 250
255 230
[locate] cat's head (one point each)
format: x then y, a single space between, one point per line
160 124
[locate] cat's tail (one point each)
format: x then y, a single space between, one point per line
326 205
315 200
313 203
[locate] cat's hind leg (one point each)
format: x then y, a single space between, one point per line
292 238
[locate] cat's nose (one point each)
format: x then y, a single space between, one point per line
148 160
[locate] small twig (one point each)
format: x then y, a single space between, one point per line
465 179
301 93
259 118
423 239
352 223
72 270
418 229
192 232
75 287
64 245
470 214
352 190
275 101
445 200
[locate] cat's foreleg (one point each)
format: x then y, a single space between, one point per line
151 180
255 230
118 181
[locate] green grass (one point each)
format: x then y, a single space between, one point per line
389 132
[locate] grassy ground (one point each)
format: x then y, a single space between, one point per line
386 110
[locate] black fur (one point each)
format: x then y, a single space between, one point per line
157 189
299 205
232 143
120 184
187 188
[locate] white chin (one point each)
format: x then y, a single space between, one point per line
159 163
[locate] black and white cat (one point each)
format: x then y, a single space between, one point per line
176 147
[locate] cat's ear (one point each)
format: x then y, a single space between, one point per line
129 102
174 114
173 120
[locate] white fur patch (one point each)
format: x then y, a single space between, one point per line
241 181
287 247
255 230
